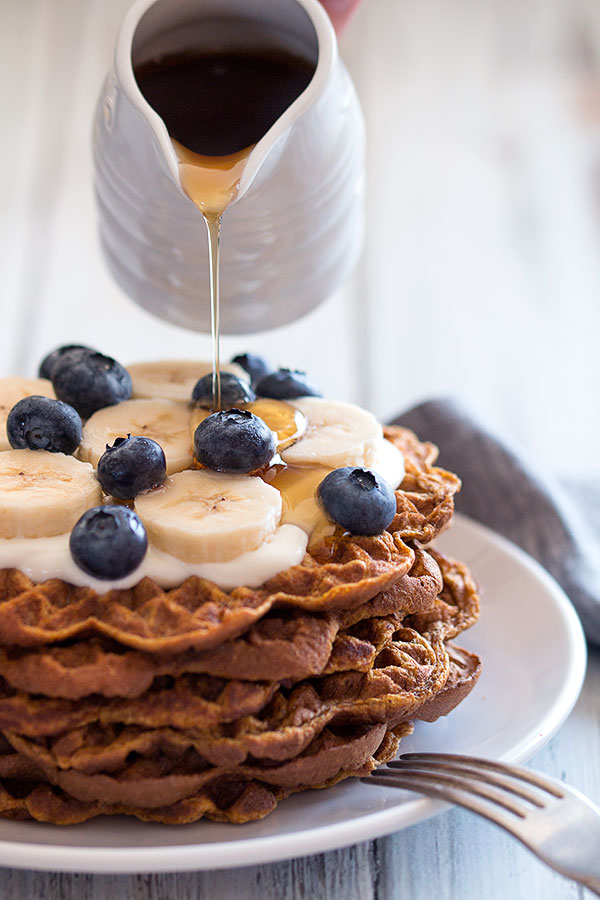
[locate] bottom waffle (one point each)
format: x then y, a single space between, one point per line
196 746
174 783
237 796
23 795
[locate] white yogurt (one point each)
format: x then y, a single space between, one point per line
44 558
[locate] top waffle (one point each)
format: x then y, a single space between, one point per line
338 572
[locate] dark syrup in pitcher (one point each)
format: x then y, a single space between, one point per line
220 103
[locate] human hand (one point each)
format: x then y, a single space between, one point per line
339 11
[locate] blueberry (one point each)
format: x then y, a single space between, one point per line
108 542
234 440
90 381
357 499
39 423
234 391
132 465
49 361
286 384
254 365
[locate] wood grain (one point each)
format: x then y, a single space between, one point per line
481 276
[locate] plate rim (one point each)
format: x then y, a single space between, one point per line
274 848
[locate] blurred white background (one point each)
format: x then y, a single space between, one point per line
481 273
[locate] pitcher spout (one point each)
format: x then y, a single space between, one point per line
155 30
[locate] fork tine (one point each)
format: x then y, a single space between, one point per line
434 789
504 782
543 783
454 781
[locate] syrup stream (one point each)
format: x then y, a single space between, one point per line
213 102
213 228
211 183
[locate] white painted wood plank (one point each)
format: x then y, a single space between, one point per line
20 24
482 273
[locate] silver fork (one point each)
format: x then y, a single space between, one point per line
558 823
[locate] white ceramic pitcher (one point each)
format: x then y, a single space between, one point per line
295 229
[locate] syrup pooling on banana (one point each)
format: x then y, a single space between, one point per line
315 436
201 522
298 488
336 434
286 422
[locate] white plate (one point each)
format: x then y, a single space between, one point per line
534 657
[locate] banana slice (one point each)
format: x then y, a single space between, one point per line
165 422
337 434
173 379
43 494
285 421
14 389
202 516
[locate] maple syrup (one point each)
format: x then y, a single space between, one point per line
287 422
216 107
218 103
298 488
296 484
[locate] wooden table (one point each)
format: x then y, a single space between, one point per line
480 277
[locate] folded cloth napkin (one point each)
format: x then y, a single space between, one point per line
556 523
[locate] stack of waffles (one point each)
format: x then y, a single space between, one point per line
173 705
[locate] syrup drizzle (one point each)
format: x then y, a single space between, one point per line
215 102
211 183
296 484
213 228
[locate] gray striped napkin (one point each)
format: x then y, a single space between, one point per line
556 523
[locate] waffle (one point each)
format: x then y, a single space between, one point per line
465 669
279 747
338 573
285 645
233 796
457 605
169 768
199 702
24 794
282 731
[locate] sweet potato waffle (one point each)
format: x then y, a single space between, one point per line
285 645
173 752
199 702
25 794
340 573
